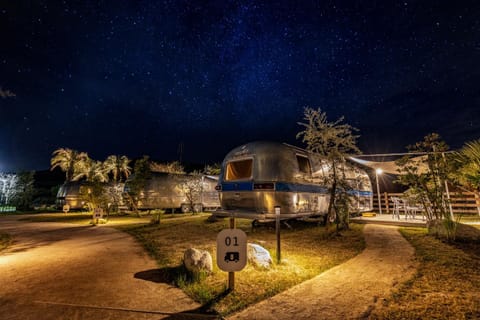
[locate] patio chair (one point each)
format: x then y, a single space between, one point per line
397 206
411 208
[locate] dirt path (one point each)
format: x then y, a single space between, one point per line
63 271
350 290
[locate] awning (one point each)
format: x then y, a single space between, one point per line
390 166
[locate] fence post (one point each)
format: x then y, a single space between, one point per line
477 201
387 207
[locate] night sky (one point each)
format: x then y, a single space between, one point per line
157 77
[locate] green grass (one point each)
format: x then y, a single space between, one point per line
86 218
307 250
5 241
447 282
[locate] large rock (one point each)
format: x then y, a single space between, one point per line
198 260
259 256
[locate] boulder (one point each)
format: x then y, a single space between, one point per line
259 256
197 261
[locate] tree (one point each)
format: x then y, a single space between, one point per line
426 177
8 187
66 159
191 186
169 167
137 182
90 170
468 164
25 190
467 173
333 142
213 169
118 166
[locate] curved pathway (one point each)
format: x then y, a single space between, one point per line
350 290
64 271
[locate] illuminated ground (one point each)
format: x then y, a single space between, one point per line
350 290
64 271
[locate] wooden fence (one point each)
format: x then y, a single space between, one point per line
467 203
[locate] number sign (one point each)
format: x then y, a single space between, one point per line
231 250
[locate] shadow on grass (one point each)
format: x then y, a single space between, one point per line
171 275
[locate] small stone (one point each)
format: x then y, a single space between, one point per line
196 260
259 256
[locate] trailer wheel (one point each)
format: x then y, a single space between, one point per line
185 208
197 207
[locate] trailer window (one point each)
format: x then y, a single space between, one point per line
238 170
303 164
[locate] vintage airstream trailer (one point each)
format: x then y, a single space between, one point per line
69 193
168 191
258 176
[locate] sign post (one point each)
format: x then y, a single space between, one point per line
231 251
277 231
97 214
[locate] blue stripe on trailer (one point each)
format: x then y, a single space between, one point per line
296 187
287 187
360 193
237 186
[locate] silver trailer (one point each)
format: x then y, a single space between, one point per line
69 193
169 191
258 176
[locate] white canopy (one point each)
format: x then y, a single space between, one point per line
390 166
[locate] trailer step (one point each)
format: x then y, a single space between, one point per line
369 214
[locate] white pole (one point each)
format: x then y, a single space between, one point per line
377 172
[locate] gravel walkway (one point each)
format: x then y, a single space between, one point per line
64 271
350 290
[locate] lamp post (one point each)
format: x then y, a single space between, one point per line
377 172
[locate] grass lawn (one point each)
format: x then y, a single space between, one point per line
447 283
86 218
307 250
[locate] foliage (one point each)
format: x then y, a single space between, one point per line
333 142
25 190
191 186
170 167
90 170
426 176
213 169
67 160
468 161
8 187
118 166
137 182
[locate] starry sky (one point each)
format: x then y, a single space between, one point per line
191 80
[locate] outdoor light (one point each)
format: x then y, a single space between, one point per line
378 171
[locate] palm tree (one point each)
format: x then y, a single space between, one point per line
118 166
66 159
468 159
91 170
